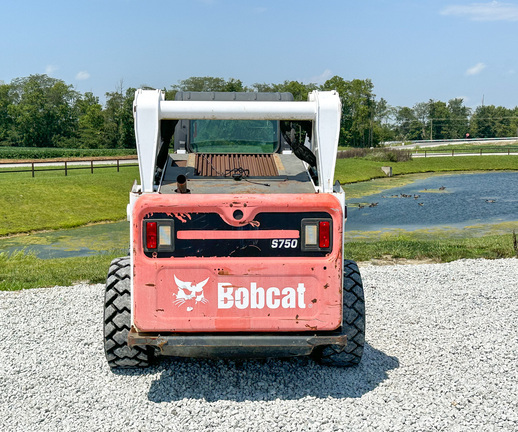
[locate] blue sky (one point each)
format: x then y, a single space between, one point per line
412 50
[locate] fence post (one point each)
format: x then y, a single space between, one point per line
452 152
66 173
425 153
117 165
32 166
92 166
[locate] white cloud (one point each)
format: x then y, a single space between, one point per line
322 78
50 69
82 75
465 99
475 70
491 11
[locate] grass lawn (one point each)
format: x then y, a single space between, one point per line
52 201
441 249
21 271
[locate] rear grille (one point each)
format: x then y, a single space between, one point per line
224 165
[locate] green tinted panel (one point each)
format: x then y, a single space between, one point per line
233 136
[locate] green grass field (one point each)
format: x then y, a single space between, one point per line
52 201
21 271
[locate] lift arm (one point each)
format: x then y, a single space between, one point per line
322 108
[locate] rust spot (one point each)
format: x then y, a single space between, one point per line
223 272
326 286
311 327
297 317
161 342
150 284
159 310
314 301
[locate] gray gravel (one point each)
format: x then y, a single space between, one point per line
441 354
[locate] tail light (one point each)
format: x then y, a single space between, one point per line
324 234
316 234
151 235
158 235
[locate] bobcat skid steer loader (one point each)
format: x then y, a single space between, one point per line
236 234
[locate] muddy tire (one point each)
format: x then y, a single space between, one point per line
117 319
353 322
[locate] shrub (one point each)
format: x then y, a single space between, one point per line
48 153
377 154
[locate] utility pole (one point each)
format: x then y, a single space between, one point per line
431 129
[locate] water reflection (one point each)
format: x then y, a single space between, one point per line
457 201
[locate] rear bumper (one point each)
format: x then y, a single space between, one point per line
235 346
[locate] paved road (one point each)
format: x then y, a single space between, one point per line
69 164
457 153
437 143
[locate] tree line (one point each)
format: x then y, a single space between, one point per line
40 111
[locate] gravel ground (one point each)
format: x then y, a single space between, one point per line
441 354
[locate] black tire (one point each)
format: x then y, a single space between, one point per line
117 319
353 322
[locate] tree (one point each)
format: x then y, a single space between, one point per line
439 118
91 130
459 119
298 89
118 118
43 110
358 110
489 121
6 121
383 113
209 84
408 127
421 112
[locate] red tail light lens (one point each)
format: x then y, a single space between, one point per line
324 235
151 235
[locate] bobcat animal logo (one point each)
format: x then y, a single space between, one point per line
189 294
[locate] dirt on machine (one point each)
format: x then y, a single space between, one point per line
236 233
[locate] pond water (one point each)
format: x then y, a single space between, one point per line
83 241
439 202
445 201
